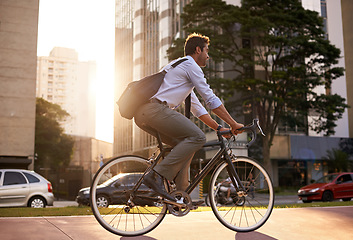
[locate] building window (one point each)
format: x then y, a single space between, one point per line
324 16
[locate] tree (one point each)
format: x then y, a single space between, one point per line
338 161
278 55
54 148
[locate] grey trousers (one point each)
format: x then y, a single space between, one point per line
177 131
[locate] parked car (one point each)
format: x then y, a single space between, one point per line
330 187
23 188
113 191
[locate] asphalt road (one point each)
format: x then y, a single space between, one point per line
329 223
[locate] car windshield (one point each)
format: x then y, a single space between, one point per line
116 177
112 179
326 179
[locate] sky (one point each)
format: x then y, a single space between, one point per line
88 27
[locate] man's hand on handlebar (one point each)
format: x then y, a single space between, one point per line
237 128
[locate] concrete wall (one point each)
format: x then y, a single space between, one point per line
347 19
88 154
18 61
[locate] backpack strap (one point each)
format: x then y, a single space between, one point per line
188 98
178 62
187 106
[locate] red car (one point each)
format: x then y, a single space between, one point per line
330 187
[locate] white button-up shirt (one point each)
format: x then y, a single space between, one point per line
180 81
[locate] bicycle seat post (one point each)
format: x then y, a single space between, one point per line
159 140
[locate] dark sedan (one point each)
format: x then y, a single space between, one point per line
114 191
328 188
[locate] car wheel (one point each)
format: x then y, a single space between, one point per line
37 202
327 196
346 199
102 201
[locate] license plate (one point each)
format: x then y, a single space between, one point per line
304 198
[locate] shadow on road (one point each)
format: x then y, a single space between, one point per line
138 238
253 235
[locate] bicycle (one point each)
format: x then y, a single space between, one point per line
136 210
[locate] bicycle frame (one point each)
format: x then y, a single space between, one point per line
215 159
213 162
208 168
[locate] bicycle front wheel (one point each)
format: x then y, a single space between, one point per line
242 211
116 207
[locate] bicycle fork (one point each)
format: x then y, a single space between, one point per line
240 189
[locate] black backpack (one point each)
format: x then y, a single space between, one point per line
139 92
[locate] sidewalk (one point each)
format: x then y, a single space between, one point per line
64 204
287 199
327 223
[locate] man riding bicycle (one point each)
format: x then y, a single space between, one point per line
174 128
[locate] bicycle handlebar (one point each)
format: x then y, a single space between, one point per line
253 127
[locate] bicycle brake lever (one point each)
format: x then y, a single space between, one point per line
252 128
259 127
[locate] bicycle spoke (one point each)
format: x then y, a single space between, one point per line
127 214
248 210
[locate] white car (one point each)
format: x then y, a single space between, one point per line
23 188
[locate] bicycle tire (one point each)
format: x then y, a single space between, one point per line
120 217
256 205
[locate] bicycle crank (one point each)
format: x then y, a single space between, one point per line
183 204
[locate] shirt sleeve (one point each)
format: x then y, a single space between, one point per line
196 107
198 79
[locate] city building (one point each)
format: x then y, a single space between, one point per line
347 28
333 13
68 82
61 79
18 60
89 154
64 80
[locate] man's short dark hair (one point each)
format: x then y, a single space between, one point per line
195 40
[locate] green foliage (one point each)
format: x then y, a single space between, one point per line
54 148
346 145
338 161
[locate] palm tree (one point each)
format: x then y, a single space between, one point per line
338 161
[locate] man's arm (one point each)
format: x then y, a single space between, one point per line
221 112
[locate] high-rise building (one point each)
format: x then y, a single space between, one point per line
64 80
144 31
347 28
18 54
338 28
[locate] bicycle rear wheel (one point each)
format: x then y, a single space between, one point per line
252 209
113 204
